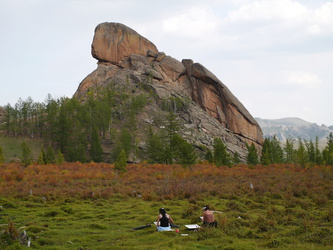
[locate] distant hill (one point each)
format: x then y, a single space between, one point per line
293 127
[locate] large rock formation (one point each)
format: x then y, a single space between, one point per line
114 42
123 55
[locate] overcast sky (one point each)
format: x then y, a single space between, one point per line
276 56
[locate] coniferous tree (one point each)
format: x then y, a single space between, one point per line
59 158
160 148
50 156
318 154
276 151
62 126
183 152
328 151
124 141
301 154
96 151
221 155
266 155
121 162
41 157
155 148
52 117
26 155
252 156
8 118
171 127
2 158
235 158
209 156
310 151
289 151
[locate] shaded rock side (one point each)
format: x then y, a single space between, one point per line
123 55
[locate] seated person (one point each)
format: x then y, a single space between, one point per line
208 218
163 221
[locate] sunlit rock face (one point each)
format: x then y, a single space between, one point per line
114 42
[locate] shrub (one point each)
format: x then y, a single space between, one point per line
51 214
320 199
97 226
36 229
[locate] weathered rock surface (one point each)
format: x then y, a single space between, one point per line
125 56
114 42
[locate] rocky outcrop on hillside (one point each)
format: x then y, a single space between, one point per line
125 56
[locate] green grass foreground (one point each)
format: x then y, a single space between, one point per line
90 206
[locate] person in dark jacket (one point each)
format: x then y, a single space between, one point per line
163 221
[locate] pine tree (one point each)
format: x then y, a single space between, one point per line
124 141
52 130
301 154
252 156
59 158
41 157
318 154
311 151
50 156
235 158
155 148
328 151
266 152
8 118
26 156
221 155
276 151
289 151
96 151
2 158
183 152
62 126
121 162
209 156
171 128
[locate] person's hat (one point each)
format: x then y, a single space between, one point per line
206 208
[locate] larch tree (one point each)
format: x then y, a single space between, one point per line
26 155
221 155
96 151
252 156
2 158
121 162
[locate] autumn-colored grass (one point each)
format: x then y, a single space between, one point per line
276 206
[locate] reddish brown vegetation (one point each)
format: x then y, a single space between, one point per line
154 182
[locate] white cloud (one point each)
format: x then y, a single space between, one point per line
267 10
196 22
322 19
302 79
283 20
